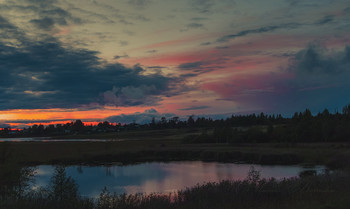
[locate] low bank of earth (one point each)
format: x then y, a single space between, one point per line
333 155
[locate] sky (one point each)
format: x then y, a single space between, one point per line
131 60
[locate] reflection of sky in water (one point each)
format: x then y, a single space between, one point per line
159 177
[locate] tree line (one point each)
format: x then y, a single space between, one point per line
301 127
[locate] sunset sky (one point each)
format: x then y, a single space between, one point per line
125 60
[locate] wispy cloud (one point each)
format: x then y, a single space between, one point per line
194 108
139 3
193 26
265 29
190 65
121 56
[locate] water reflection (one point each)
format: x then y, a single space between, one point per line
159 177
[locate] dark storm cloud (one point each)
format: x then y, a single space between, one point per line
194 108
321 80
45 74
258 31
140 118
318 60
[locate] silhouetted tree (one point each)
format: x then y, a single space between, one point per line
346 110
190 121
63 187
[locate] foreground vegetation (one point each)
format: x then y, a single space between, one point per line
329 190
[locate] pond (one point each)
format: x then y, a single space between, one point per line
160 177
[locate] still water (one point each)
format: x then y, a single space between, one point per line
160 177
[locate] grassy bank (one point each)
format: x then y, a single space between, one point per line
335 155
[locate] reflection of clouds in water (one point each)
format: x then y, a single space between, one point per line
132 189
159 177
43 175
116 178
223 171
44 170
199 172
188 174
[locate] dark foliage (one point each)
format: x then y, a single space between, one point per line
302 127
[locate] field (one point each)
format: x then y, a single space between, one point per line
167 145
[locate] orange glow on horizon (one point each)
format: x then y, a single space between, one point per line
62 116
90 123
